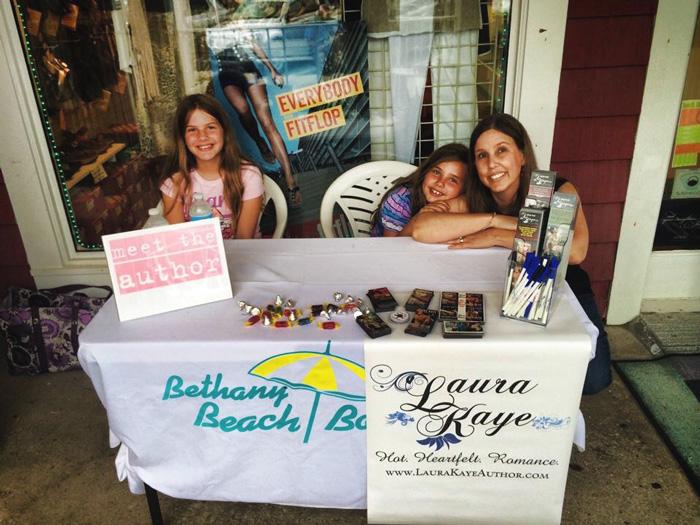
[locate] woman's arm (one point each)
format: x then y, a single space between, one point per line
579 245
248 219
485 239
172 204
434 227
481 239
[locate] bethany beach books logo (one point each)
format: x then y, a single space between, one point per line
319 373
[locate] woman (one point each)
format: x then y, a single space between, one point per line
502 159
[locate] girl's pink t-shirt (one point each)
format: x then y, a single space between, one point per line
213 192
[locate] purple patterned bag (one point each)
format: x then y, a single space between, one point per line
41 327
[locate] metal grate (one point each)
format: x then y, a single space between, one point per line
465 82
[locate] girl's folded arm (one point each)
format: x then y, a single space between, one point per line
407 230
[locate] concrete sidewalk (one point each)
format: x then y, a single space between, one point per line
56 466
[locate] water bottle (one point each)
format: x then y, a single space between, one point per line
200 209
155 219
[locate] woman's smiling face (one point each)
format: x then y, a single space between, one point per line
444 181
498 162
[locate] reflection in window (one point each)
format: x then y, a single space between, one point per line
313 87
678 225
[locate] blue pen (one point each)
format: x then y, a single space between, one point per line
532 297
550 288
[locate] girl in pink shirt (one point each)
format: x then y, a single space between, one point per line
207 160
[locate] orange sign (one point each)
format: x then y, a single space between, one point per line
319 94
316 122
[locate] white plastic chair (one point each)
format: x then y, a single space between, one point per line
274 193
357 192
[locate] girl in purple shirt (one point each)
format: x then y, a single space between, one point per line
439 178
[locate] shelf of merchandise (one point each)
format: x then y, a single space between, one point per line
87 169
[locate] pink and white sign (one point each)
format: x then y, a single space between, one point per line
158 270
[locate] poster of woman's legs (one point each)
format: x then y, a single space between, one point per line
295 87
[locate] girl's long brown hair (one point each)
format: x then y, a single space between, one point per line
414 181
479 197
182 161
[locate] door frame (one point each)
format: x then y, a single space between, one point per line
644 279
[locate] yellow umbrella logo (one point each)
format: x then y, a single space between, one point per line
322 373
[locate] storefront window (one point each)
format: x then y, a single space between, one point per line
678 226
312 87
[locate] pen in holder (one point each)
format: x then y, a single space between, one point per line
528 295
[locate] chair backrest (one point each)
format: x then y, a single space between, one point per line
274 193
357 192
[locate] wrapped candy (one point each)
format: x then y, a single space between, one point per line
316 309
252 320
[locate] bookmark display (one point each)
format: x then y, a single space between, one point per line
540 255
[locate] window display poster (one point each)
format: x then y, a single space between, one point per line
687 145
678 227
297 96
686 184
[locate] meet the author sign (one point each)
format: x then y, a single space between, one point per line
162 269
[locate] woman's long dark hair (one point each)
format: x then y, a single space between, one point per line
414 181
479 197
182 161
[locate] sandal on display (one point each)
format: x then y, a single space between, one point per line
294 196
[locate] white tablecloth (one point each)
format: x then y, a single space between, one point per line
186 443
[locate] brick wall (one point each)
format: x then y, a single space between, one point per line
14 268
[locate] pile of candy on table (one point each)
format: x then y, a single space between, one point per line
285 314
461 313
